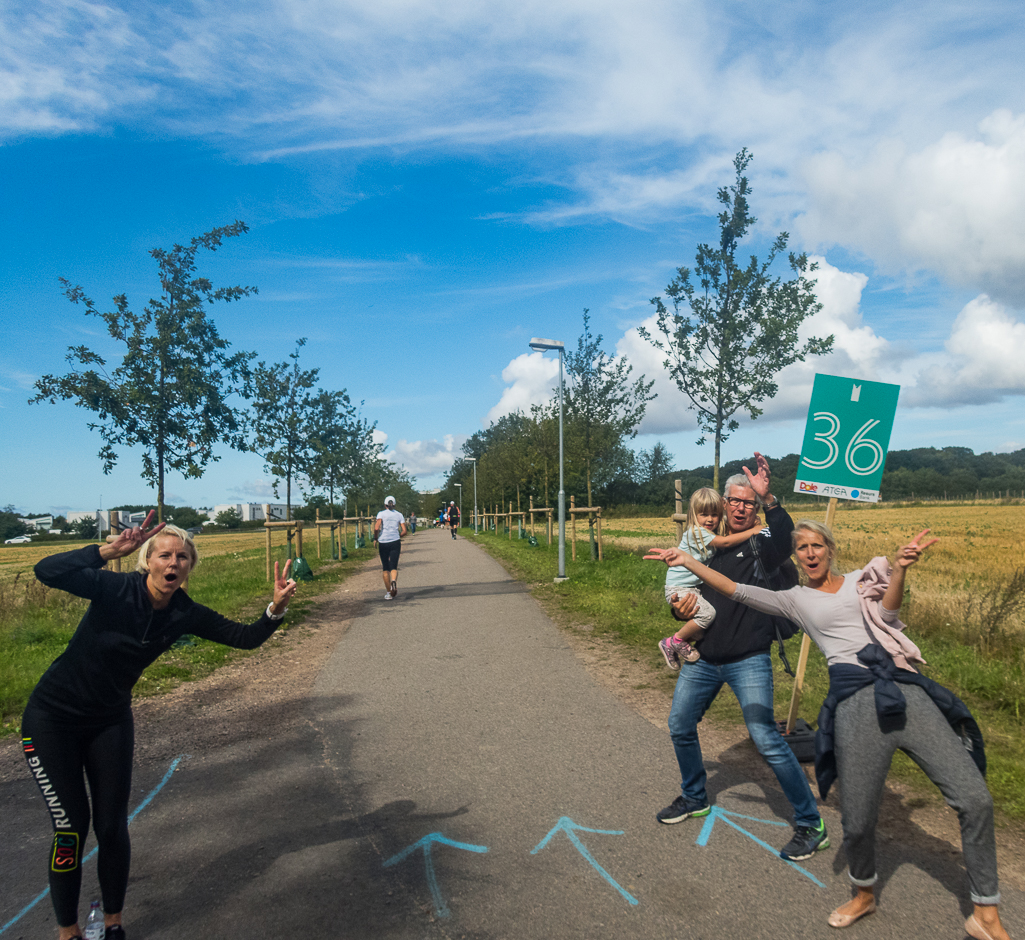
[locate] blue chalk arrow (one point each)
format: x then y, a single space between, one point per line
440 907
566 825
724 815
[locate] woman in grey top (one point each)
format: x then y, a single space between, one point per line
866 652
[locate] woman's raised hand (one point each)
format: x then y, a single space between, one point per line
908 554
130 540
673 557
284 587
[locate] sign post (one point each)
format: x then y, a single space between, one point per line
843 457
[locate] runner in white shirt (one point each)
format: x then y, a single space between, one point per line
389 527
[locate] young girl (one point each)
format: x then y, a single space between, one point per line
703 535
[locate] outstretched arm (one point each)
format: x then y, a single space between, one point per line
675 557
736 538
906 556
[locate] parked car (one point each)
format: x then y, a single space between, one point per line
195 530
18 540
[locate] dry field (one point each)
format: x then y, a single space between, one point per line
981 546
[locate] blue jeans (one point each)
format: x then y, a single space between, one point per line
751 681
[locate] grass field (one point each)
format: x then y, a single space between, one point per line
965 610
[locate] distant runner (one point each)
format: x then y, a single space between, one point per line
389 527
452 517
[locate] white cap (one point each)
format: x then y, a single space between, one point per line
389 499
452 503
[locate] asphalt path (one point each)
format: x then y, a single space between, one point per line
454 772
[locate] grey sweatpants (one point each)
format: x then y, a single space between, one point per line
863 756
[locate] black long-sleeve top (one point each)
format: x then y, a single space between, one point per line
739 631
120 635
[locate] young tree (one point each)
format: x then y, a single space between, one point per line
728 336
229 518
343 443
282 403
170 394
602 405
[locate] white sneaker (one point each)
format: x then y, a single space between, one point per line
387 596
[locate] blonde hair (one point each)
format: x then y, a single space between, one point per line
823 532
172 530
705 501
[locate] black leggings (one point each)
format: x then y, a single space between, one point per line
57 753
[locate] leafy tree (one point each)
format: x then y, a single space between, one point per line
11 525
282 402
343 444
85 528
602 404
169 396
59 522
728 335
185 517
655 463
229 518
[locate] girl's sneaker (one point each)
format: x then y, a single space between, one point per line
688 654
670 648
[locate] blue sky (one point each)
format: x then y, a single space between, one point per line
430 184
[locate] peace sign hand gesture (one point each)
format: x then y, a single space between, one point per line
908 554
130 540
284 588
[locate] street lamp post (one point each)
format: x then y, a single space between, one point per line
474 461
460 485
541 345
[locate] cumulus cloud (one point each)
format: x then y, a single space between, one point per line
955 207
253 490
532 379
425 458
979 363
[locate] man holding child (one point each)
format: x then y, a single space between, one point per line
736 652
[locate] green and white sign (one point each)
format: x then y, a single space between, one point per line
846 438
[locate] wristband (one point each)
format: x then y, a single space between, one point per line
772 505
273 616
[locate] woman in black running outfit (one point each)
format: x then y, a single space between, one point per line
79 717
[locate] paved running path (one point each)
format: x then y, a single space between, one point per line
459 713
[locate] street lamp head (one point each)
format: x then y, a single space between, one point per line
540 345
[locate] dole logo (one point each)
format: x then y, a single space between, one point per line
809 487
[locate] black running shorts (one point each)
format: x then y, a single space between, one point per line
389 552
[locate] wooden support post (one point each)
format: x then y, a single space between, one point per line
601 553
509 522
573 524
531 515
549 527
299 538
115 518
802 658
266 519
318 533
679 511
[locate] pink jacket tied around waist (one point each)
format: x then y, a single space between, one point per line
872 585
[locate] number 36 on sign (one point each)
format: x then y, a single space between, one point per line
846 438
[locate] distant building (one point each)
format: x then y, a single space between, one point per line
251 512
39 523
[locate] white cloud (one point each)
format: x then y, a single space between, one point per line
532 379
254 490
424 458
955 207
981 361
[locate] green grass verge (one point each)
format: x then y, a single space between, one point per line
35 631
622 598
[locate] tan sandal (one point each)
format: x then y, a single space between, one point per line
836 919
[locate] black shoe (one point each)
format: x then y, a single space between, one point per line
680 809
806 842
115 932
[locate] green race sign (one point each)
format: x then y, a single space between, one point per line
846 438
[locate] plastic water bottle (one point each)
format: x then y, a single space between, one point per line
94 928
